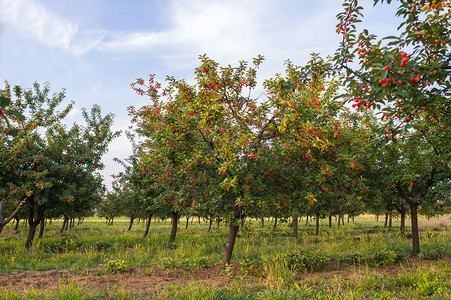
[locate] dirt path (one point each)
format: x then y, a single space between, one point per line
149 277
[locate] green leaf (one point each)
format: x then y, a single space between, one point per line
4 101
18 116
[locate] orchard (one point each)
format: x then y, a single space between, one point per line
362 133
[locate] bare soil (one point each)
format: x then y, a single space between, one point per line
148 278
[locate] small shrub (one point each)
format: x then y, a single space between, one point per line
278 274
248 266
171 246
117 266
354 258
434 254
387 257
101 245
428 284
302 262
168 263
187 264
63 244
228 270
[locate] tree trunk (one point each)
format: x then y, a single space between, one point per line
3 222
338 221
377 218
30 237
263 222
17 224
131 223
275 223
233 230
306 221
33 221
210 223
386 220
343 220
390 218
348 218
174 219
149 218
330 221
415 233
317 224
402 226
294 223
41 228
66 219
187 221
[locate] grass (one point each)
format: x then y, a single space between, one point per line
268 263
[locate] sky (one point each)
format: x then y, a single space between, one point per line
94 49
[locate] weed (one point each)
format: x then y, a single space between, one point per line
434 254
117 266
384 258
228 270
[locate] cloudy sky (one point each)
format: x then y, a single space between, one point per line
96 48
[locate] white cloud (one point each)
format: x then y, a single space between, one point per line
35 20
228 31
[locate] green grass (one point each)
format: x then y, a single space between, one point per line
270 255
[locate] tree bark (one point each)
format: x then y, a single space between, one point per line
174 219
33 221
187 221
415 233
263 222
402 226
294 223
3 222
390 219
330 221
233 230
210 223
402 212
131 223
17 224
317 224
386 220
149 218
306 221
66 219
275 223
41 228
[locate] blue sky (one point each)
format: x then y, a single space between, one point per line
96 48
